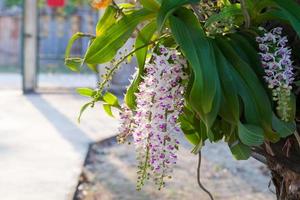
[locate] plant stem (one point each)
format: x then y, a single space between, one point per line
119 62
198 178
246 14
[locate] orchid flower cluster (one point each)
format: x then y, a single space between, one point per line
153 124
278 67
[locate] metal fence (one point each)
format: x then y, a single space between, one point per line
55 29
10 26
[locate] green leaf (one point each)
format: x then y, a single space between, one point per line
107 109
251 135
240 151
257 105
107 20
192 136
205 92
83 108
199 52
87 92
290 9
111 99
187 121
93 67
230 101
73 64
152 5
105 46
142 39
284 129
75 37
248 53
168 7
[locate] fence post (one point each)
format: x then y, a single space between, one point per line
29 45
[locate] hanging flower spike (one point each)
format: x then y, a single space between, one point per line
126 124
276 61
159 103
100 4
154 122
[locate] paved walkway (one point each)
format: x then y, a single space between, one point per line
42 147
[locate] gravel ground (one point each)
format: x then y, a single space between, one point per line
110 174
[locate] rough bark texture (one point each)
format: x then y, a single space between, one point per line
285 169
283 160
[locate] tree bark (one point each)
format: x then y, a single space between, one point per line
283 160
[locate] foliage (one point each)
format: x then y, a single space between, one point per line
226 97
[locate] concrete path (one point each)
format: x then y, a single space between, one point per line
42 147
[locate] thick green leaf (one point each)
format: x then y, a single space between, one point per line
248 53
199 52
284 129
205 95
142 39
152 5
205 92
230 101
111 99
169 6
105 46
240 151
107 109
87 92
258 109
251 135
290 10
107 20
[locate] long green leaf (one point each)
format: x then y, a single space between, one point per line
289 10
205 93
105 47
107 20
199 52
169 6
152 5
251 135
257 105
229 110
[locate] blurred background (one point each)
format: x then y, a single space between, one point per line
45 154
56 23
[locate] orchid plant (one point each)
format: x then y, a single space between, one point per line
212 70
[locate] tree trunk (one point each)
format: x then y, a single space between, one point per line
283 160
